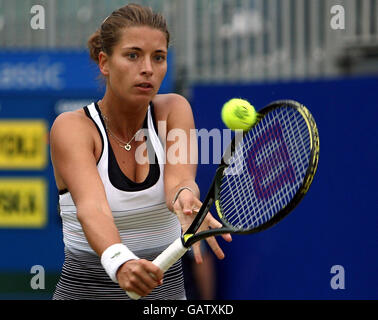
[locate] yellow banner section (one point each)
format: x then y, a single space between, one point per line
23 144
23 203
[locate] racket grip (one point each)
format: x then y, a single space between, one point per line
165 260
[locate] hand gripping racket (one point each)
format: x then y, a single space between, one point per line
260 180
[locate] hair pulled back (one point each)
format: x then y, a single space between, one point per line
131 15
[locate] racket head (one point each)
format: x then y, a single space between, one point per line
264 176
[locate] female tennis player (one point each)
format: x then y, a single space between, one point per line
119 213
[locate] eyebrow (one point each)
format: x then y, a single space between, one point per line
139 49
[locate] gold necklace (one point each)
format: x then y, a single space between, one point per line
122 144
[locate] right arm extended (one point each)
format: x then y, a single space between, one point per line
73 154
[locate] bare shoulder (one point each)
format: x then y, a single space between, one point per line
74 130
170 99
171 104
69 118
71 123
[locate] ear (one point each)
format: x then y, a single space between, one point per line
103 61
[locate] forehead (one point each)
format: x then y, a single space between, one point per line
143 37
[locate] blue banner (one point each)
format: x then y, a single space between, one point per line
35 71
327 247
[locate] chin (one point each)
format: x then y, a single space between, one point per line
145 95
143 98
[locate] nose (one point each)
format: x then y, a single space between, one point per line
147 67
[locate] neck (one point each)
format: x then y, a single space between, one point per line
123 118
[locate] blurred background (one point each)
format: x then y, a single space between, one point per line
323 53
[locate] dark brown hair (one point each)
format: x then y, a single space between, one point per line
131 15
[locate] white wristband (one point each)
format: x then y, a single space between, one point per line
113 257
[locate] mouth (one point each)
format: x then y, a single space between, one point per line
145 85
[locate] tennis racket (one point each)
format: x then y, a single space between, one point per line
260 180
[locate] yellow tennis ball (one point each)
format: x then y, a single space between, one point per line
238 114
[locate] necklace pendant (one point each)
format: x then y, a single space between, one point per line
127 147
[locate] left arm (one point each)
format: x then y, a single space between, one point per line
181 151
180 171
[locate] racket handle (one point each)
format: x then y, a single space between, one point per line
169 256
165 260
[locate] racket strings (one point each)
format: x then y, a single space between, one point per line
276 169
275 200
266 169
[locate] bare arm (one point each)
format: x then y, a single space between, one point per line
181 156
72 153
72 141
180 171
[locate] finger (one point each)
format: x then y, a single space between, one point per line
215 247
183 207
190 204
155 272
197 204
139 287
186 200
227 237
146 282
135 283
187 207
197 253
213 223
152 274
140 278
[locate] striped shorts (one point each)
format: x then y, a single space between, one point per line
84 278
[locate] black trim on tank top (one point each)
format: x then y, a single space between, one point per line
86 110
155 122
63 191
118 179
152 111
116 176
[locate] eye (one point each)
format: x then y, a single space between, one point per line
160 58
132 55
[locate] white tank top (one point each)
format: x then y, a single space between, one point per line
145 224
